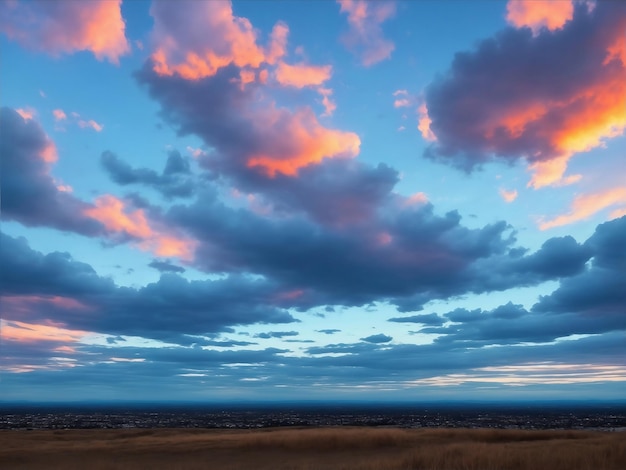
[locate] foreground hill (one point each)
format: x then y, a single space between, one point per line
320 448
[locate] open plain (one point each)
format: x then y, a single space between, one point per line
312 448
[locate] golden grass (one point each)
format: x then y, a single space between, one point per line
312 449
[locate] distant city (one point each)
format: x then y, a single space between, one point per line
563 416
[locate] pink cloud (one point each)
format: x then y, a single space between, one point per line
67 26
365 36
586 205
119 220
296 140
424 122
327 102
277 140
31 332
90 124
508 196
59 115
26 113
416 199
539 14
196 39
401 103
111 212
22 305
302 75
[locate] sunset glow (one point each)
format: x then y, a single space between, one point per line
357 200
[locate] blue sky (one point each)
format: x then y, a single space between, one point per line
313 200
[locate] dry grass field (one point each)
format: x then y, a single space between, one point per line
325 448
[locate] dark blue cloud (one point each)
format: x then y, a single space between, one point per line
29 192
377 339
329 331
424 319
175 181
276 334
165 310
166 266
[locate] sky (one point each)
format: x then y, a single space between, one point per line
313 200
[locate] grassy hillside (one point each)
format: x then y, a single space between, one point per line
300 449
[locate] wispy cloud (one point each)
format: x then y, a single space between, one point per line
365 36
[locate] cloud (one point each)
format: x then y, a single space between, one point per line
195 40
175 180
597 292
365 37
424 124
425 319
539 14
302 75
27 114
59 115
353 192
126 223
586 205
70 294
90 124
327 102
508 196
407 256
276 334
30 195
67 26
166 266
377 339
75 118
591 301
250 137
519 96
329 331
26 332
402 98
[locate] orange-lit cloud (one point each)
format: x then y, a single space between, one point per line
365 37
298 140
551 173
424 122
302 75
521 113
538 14
196 39
113 214
31 332
68 26
508 196
170 246
586 205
